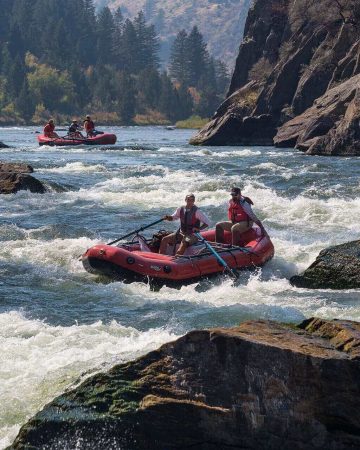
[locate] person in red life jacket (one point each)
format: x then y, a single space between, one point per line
241 218
191 221
89 127
49 130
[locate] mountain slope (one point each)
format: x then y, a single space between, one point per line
220 21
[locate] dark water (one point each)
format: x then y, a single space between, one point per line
57 321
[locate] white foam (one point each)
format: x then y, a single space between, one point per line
77 167
40 361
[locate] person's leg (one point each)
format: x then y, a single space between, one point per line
170 239
186 241
238 229
219 230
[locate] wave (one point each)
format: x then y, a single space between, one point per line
40 361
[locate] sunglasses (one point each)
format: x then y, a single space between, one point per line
234 195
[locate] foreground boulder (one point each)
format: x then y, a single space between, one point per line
336 267
15 177
258 385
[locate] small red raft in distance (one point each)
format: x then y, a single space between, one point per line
100 139
139 260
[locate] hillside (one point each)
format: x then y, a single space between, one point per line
220 21
297 80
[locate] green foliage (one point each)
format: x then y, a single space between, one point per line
64 58
193 122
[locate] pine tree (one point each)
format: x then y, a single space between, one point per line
179 59
147 41
105 35
198 56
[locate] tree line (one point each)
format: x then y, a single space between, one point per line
64 58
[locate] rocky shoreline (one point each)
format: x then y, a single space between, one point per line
259 385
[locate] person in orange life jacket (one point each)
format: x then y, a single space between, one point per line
89 126
74 130
241 218
191 221
49 130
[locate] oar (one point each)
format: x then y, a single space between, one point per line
136 231
232 272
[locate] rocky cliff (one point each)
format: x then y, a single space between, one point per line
258 385
296 80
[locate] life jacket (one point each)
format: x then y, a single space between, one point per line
188 220
89 125
73 128
236 212
48 129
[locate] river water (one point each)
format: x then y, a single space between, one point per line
59 324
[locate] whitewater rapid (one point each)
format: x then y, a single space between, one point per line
59 324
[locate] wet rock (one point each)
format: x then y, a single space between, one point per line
336 267
258 385
232 129
14 177
2 145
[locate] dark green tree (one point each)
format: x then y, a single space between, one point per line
179 66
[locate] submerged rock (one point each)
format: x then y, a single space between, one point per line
14 177
258 385
336 267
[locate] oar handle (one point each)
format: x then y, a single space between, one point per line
136 231
232 272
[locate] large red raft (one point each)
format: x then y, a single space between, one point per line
100 139
132 262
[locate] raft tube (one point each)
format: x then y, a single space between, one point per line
100 139
130 262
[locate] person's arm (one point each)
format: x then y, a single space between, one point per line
204 220
174 216
253 217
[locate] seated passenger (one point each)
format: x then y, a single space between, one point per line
74 130
241 218
89 127
49 130
191 221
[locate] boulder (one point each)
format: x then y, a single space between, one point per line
322 117
14 177
257 385
2 145
336 267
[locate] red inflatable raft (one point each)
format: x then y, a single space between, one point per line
100 139
139 261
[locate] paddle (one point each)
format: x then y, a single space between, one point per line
136 231
232 272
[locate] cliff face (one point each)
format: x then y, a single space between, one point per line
293 53
258 385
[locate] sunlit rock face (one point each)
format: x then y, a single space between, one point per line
290 60
336 267
258 385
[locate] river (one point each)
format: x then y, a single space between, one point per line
59 324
